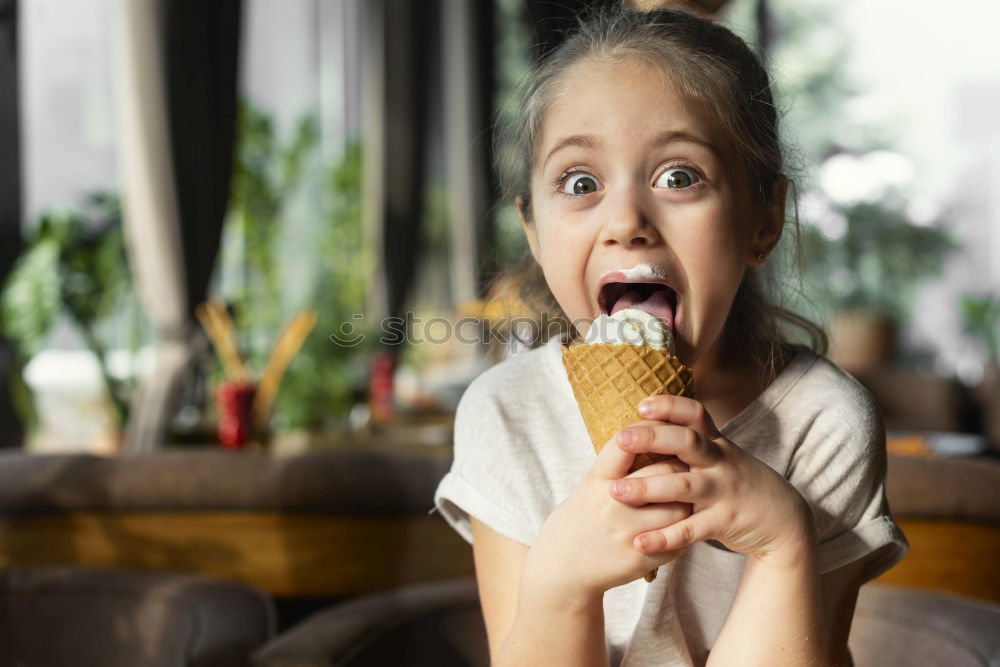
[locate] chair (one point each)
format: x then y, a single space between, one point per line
440 625
51 616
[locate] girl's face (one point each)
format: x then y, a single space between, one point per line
628 173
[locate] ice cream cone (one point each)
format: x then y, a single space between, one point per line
609 380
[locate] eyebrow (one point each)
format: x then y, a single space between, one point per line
662 139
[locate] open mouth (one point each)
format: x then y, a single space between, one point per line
656 298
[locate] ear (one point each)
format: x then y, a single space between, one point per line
527 225
771 225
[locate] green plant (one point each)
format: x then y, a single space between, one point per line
73 264
982 321
876 263
322 379
267 174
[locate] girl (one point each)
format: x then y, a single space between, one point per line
647 145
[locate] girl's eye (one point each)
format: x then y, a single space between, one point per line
676 179
579 184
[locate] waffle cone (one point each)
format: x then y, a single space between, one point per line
609 380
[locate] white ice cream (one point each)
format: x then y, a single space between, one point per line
640 272
631 326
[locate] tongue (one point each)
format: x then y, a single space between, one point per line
656 304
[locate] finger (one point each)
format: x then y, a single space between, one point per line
682 487
657 464
687 444
655 517
678 410
695 528
613 462
644 460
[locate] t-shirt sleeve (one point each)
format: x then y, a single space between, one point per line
840 469
492 474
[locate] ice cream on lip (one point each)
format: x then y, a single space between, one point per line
645 287
640 272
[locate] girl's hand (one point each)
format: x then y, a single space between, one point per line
585 546
738 500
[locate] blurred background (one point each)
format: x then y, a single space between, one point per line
270 229
335 157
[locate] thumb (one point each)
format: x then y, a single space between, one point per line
613 462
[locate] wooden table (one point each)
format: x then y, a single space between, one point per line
294 553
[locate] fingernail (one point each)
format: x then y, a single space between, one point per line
643 542
627 438
620 487
645 406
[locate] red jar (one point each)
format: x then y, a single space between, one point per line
235 404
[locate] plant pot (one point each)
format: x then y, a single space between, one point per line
862 341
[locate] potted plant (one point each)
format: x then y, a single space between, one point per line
865 257
73 265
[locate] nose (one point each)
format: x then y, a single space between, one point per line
629 221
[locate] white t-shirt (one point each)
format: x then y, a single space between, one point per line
521 448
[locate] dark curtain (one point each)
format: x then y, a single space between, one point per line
11 429
410 31
10 147
412 40
202 66
202 57
484 26
552 21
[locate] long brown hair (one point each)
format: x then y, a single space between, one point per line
708 64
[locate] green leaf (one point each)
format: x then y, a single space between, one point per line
31 296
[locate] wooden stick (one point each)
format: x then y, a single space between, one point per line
221 314
223 340
286 346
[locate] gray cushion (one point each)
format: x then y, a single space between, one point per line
902 626
428 625
68 615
